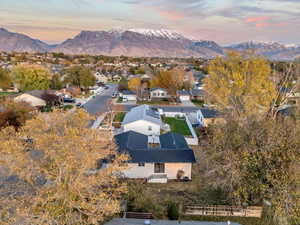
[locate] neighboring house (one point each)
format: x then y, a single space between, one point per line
158 93
101 78
32 99
143 119
157 161
198 94
116 78
124 221
183 95
210 116
128 95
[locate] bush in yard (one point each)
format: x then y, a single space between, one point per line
180 174
173 211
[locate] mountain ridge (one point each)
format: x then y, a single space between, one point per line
142 43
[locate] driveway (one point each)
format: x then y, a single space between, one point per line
99 104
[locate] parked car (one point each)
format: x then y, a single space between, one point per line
79 105
69 100
114 95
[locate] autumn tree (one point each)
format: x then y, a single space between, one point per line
134 84
5 79
241 82
15 114
258 161
61 159
80 76
56 82
171 80
31 77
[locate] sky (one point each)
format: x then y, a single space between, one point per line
223 21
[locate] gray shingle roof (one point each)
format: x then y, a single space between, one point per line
143 112
173 148
128 92
183 93
209 113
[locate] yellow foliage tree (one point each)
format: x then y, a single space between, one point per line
172 80
241 82
59 158
31 77
134 84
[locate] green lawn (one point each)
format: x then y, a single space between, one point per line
3 94
119 117
198 102
178 125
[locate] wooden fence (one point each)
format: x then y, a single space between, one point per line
219 210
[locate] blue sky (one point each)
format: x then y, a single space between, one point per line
224 21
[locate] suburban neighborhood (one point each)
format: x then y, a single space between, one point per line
161 112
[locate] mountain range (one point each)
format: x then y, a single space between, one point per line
141 43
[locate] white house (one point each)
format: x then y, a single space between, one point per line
143 119
31 99
101 78
158 93
170 158
128 96
183 95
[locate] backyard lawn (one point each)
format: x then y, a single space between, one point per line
178 125
3 94
198 102
119 117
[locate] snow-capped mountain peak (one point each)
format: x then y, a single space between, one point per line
158 33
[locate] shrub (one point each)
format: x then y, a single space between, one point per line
173 211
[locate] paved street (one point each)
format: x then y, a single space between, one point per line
98 104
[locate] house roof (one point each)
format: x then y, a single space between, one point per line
209 113
172 141
142 112
183 93
158 88
128 92
170 150
132 140
123 221
198 92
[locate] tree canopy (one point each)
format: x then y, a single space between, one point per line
59 158
5 79
134 84
31 77
258 162
242 82
80 76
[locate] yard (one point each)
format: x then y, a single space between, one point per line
178 125
198 102
118 118
154 198
3 94
158 102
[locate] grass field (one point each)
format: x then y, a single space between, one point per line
178 125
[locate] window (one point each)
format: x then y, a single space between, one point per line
154 94
149 128
162 94
159 168
141 164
